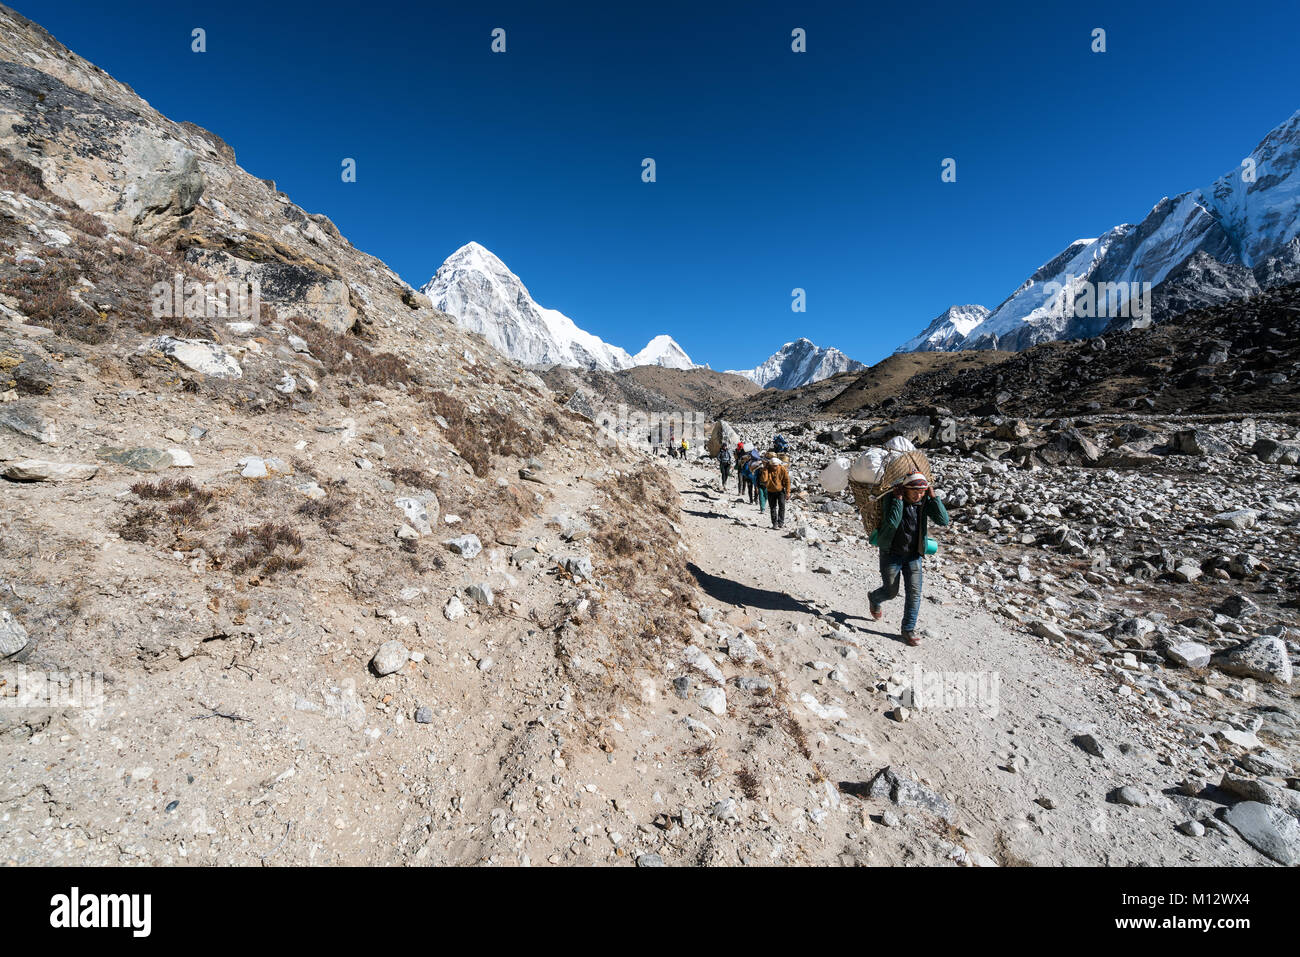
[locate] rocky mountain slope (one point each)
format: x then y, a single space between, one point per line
947 330
1206 246
325 579
799 363
646 388
1234 358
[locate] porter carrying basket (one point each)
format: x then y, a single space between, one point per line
867 495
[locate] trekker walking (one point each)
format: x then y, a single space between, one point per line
776 479
724 463
759 469
683 450
901 537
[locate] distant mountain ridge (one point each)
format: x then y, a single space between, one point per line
799 363
1207 246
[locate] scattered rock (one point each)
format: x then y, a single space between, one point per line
39 470
1269 830
466 546
13 636
392 656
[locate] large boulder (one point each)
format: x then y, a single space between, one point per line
1069 444
1199 442
722 436
198 354
1276 453
1264 659
1269 830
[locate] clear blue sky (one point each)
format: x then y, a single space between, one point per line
775 169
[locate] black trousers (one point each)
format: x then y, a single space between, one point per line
726 471
776 502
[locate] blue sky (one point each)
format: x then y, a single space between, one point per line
775 170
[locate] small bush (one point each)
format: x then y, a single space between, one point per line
269 547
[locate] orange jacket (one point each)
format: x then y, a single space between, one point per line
776 478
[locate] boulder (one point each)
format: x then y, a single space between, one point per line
888 784
1189 654
722 437
1264 659
39 470
1269 830
392 656
142 460
1276 453
1199 442
13 636
1238 519
466 546
200 355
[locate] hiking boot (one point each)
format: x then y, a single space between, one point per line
877 612
911 638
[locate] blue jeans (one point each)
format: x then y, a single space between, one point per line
893 567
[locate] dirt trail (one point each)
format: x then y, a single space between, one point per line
998 763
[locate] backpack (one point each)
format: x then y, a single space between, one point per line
725 456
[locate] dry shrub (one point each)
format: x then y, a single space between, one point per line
88 222
405 475
343 354
270 547
478 435
146 524
167 489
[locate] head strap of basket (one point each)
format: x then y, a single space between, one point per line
867 497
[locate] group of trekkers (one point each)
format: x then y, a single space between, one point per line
905 512
763 479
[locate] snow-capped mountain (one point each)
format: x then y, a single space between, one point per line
480 292
663 351
483 295
951 325
799 363
1249 219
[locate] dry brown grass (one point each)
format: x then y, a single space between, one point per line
267 548
478 435
346 355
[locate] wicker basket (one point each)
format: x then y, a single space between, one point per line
867 496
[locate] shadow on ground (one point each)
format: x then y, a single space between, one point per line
734 593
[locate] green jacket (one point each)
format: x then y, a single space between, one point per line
891 516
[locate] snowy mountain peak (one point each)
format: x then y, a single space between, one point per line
481 293
663 351
951 325
1247 220
799 363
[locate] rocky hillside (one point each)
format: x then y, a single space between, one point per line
1236 358
845 394
646 388
354 587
